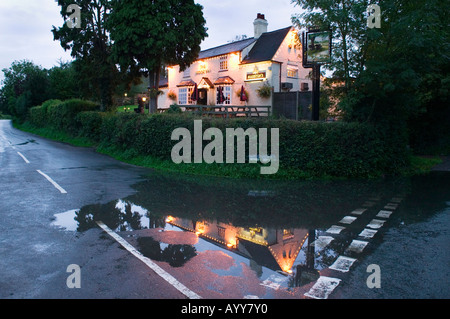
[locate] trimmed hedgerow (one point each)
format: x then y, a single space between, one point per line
317 149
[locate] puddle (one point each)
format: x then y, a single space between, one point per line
66 220
28 141
280 233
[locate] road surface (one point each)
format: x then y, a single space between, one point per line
40 178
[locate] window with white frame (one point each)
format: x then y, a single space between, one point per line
292 72
223 63
226 95
184 95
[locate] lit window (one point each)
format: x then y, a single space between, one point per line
223 66
292 72
184 95
226 95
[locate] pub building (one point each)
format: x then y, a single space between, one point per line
231 74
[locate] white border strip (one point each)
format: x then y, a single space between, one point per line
323 287
158 270
53 182
24 158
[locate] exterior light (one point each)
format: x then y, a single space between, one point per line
144 99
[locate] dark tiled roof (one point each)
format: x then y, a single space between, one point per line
226 48
266 46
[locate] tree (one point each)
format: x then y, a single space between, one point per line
396 76
63 82
90 45
148 34
347 22
25 85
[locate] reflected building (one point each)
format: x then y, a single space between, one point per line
276 249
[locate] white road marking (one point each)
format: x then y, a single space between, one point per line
375 223
384 214
158 270
358 211
343 264
335 229
23 157
323 287
368 233
357 246
322 241
347 220
53 182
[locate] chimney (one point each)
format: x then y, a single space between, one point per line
260 25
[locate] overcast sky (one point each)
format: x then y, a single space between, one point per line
25 26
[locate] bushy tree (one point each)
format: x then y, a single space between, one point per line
25 85
90 45
150 33
395 76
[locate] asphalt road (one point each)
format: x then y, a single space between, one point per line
40 178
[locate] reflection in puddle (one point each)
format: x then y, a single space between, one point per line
284 232
175 255
66 220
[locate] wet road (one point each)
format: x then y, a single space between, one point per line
170 236
34 255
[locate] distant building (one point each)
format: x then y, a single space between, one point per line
269 58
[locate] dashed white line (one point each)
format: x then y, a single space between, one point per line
367 233
375 223
24 158
357 246
347 220
161 272
358 211
343 263
334 229
323 287
322 241
62 190
384 214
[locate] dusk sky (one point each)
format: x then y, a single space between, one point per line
25 26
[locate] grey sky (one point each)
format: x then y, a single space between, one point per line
25 26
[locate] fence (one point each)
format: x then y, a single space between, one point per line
228 111
293 105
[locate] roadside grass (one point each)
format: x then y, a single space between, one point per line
419 164
5 116
423 164
55 135
237 171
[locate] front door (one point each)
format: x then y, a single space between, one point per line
202 97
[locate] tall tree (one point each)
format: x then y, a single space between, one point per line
396 76
347 22
25 85
90 45
150 33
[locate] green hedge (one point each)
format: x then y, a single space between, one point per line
318 149
60 115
